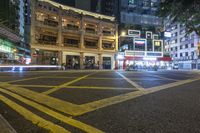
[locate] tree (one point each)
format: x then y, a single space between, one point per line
184 11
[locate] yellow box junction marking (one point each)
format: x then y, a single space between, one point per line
66 84
25 79
55 103
79 87
65 119
124 97
75 110
35 119
100 88
42 86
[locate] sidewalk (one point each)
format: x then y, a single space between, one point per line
5 126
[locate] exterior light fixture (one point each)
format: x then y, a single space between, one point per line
123 33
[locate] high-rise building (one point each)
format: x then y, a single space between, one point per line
181 46
139 15
13 48
108 7
140 42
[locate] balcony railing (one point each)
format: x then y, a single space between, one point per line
50 22
107 46
108 33
91 31
93 45
74 28
72 45
41 41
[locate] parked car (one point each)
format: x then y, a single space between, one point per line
175 66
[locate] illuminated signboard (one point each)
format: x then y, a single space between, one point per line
5 46
154 54
135 33
139 42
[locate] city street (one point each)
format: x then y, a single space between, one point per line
101 101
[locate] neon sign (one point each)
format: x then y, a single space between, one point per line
4 46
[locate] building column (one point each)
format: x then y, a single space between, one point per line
100 61
116 38
60 57
100 37
82 35
81 60
60 38
100 43
33 17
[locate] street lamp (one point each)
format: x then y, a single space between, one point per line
123 33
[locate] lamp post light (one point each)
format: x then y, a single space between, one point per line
123 33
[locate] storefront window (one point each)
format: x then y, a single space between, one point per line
42 57
89 62
72 62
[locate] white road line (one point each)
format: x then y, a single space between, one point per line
131 82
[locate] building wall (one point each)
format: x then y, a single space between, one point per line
140 12
66 31
182 47
13 47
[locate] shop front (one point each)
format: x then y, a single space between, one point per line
80 60
7 52
90 62
144 62
72 62
107 63
44 57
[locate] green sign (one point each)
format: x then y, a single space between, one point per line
5 46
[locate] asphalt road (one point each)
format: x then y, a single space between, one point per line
101 101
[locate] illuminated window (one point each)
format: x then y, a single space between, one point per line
157 46
131 2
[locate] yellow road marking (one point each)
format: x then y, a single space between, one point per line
88 107
165 78
70 71
109 101
63 77
25 79
124 97
66 84
104 78
68 120
35 119
79 87
100 88
42 86
170 85
55 103
131 82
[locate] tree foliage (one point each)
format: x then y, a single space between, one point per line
183 11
